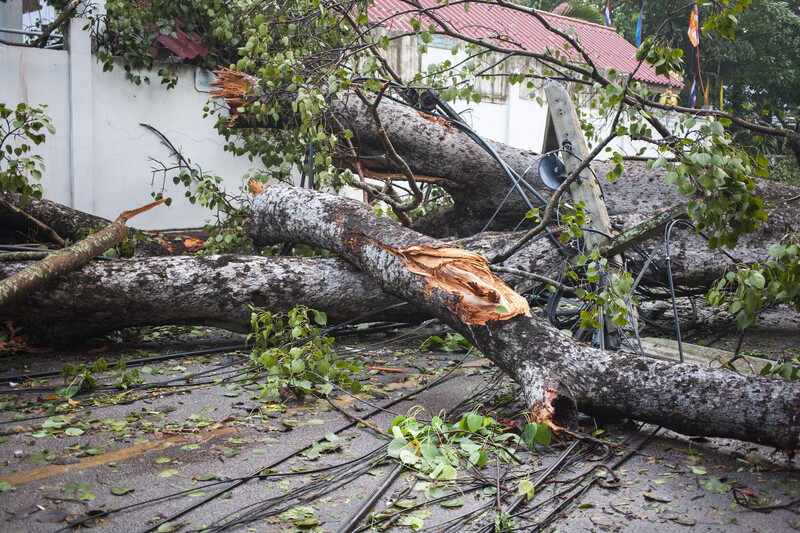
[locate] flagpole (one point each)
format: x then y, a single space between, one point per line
699 74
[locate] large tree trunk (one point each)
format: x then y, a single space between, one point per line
203 290
558 375
438 151
103 297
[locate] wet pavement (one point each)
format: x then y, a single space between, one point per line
197 446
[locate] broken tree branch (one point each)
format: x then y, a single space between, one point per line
68 259
558 375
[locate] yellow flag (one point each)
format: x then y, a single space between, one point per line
694 26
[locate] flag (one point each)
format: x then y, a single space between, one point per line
705 94
607 13
694 26
721 105
693 94
639 27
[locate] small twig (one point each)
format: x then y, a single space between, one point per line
533 276
54 237
792 199
384 86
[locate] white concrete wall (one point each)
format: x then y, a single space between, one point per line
98 159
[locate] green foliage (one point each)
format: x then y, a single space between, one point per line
661 56
786 370
81 376
453 342
128 31
710 166
21 129
786 169
607 291
126 248
130 379
296 355
439 449
744 291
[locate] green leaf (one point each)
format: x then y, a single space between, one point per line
474 422
452 504
119 491
448 472
395 446
716 486
543 434
5 486
526 487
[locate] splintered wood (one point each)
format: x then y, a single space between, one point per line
235 88
483 296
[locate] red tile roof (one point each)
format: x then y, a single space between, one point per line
490 21
186 46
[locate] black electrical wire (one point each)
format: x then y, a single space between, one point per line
346 427
515 178
667 232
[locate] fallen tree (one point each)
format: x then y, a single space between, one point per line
558 375
216 290
203 290
46 221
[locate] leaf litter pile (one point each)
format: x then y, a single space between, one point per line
414 431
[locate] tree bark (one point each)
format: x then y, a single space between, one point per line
557 375
67 259
72 225
193 290
435 149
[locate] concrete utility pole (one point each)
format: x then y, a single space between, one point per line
567 128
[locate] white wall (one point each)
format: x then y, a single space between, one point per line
98 159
